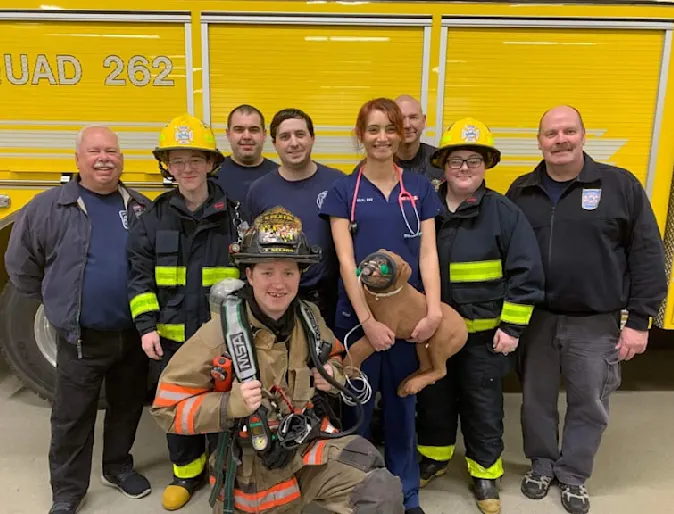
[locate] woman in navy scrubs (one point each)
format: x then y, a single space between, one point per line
384 206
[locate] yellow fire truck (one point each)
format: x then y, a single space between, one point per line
135 64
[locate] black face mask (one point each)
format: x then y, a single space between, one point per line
377 271
282 327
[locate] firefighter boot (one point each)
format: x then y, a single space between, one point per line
430 468
179 492
486 494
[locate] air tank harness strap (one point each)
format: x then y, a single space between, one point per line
239 341
225 472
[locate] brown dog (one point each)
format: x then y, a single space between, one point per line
396 304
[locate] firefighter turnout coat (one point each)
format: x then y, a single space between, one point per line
338 473
175 256
490 263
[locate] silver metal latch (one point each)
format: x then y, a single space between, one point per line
5 201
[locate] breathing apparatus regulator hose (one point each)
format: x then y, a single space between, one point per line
344 390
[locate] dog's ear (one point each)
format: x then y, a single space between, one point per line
399 265
404 269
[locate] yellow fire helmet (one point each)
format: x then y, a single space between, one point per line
187 132
467 133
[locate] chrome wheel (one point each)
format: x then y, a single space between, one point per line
45 336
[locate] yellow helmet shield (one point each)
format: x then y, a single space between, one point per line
187 132
467 133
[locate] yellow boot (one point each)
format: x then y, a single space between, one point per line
179 492
487 495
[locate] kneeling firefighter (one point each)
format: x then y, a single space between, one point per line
493 275
258 373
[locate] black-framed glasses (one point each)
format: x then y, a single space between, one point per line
456 163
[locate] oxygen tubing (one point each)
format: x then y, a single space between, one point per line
361 413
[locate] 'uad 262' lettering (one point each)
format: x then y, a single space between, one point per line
67 70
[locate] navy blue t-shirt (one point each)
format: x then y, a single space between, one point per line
304 198
235 179
105 303
554 188
381 224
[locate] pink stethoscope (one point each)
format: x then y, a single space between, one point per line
402 196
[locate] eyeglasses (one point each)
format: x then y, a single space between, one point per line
455 163
195 163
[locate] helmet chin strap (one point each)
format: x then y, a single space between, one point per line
165 172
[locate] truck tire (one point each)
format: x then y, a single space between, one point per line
29 343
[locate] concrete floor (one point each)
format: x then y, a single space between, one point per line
633 469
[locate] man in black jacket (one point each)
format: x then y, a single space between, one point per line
602 253
68 249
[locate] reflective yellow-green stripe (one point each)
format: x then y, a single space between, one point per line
478 271
142 303
210 276
491 473
516 314
170 275
191 470
173 332
480 325
438 453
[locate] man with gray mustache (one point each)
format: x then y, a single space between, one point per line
68 250
602 253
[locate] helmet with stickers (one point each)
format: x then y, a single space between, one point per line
467 133
187 132
275 234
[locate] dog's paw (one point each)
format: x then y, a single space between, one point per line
411 386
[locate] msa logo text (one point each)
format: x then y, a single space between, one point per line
241 356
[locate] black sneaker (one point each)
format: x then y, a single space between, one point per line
430 468
66 507
535 486
129 483
575 498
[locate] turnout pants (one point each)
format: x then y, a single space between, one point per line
186 452
472 393
343 476
118 358
582 352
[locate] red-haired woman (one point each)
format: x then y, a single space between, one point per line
384 206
